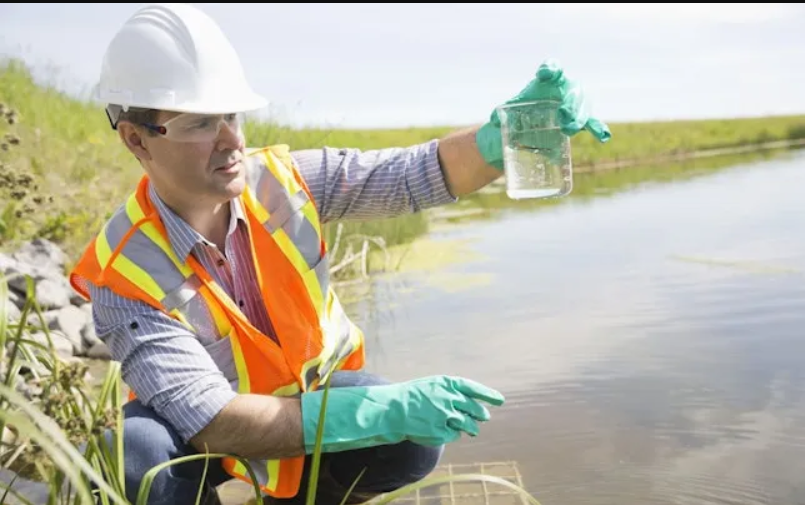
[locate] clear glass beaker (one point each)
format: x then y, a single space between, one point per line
536 154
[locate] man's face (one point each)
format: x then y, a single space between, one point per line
196 158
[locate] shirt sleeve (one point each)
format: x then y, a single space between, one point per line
161 361
349 183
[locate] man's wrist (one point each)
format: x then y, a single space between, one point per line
490 145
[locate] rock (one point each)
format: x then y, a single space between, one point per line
67 316
99 351
62 345
12 310
71 321
51 288
44 254
35 323
88 335
16 299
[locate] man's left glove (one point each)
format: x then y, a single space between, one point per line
550 83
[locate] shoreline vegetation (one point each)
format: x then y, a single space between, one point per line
63 170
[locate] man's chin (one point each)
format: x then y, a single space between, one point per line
235 187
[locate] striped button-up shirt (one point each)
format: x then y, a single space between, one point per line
187 378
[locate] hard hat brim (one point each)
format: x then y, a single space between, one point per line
225 105
243 102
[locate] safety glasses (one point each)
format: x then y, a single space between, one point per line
196 127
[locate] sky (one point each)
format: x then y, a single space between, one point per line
399 65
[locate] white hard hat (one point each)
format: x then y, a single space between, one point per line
175 57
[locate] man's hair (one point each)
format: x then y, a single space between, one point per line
136 115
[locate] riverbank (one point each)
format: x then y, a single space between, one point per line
63 170
685 156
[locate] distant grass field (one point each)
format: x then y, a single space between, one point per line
63 170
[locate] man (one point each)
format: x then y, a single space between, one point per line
210 283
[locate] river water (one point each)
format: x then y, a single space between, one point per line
647 331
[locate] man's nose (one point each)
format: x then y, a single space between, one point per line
230 137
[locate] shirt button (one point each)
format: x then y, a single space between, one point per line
220 263
241 303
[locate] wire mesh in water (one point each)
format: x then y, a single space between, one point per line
474 492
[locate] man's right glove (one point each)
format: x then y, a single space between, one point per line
550 83
428 411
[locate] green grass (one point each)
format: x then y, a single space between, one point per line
68 171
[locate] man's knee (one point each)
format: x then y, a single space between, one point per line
414 461
148 441
385 467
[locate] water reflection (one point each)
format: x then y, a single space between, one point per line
649 343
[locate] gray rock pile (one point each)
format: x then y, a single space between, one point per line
67 316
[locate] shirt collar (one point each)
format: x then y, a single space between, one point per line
182 237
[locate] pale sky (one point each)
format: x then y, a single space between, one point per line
389 65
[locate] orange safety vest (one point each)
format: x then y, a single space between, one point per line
133 257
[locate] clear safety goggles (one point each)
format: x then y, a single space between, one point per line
189 127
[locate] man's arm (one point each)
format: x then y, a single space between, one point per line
464 168
171 372
256 427
349 183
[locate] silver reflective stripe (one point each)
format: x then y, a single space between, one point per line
260 469
267 189
285 211
118 225
289 208
142 251
182 294
310 375
323 276
303 235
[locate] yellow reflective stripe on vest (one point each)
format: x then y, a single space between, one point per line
266 471
222 323
180 317
287 390
136 213
244 386
273 469
103 252
267 476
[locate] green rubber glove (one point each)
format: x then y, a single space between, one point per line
429 411
549 83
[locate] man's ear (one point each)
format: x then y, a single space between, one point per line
132 137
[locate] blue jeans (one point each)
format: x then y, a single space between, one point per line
150 441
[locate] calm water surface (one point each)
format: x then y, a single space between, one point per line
648 336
